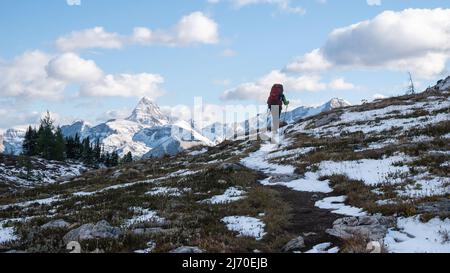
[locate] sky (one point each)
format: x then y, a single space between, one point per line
94 59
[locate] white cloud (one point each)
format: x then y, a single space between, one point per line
310 62
340 84
374 2
26 77
124 85
70 67
197 28
416 40
259 90
36 74
95 37
194 28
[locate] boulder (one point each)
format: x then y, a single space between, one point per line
187 250
56 224
374 228
100 230
294 245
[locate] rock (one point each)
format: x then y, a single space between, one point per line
90 231
294 245
230 167
374 228
187 250
223 182
56 224
434 207
153 231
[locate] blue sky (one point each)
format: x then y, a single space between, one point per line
242 47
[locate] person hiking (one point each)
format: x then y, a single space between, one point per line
276 100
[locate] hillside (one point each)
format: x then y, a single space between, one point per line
337 180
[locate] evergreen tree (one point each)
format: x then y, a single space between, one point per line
97 152
29 145
46 138
87 152
114 159
59 148
128 158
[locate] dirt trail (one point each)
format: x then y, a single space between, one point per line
306 218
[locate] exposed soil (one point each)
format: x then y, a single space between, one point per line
306 219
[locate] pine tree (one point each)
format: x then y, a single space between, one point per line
46 138
97 152
29 145
87 152
128 158
59 148
114 159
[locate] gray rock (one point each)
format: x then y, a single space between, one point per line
90 231
187 250
434 207
153 231
56 224
373 228
294 245
230 167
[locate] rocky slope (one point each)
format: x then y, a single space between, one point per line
332 182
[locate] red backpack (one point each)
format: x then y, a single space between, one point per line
275 95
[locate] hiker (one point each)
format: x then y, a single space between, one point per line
277 99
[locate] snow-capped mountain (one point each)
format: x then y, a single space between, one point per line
303 112
147 112
146 129
79 127
11 141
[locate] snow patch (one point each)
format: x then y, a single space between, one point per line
246 226
414 236
336 204
231 195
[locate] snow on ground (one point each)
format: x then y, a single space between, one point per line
246 226
414 236
259 161
7 234
286 153
48 173
323 249
232 194
310 183
202 151
142 216
426 186
336 204
150 247
371 171
45 201
166 191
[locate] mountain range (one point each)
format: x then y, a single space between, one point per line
147 132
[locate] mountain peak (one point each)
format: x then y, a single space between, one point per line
338 103
148 112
